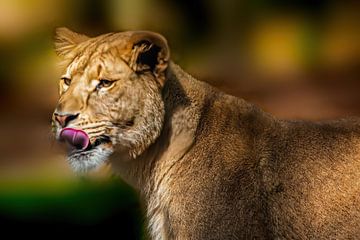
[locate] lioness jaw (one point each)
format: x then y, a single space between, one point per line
209 165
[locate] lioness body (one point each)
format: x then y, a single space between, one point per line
220 168
246 175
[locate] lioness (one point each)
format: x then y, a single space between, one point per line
208 165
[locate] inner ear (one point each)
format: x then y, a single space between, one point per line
149 56
145 56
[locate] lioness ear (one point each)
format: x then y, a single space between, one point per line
66 40
150 52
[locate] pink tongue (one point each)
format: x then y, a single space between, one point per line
75 137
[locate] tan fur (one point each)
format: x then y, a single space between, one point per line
209 165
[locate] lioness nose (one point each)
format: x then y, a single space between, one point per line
64 119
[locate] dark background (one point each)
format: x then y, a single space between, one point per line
295 59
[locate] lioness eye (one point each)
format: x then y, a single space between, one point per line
104 83
67 81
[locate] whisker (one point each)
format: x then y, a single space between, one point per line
94 131
94 125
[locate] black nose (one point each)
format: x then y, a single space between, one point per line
64 119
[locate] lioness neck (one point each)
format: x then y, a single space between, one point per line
151 172
184 97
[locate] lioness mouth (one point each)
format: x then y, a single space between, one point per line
79 141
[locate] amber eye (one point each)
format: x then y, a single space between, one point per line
104 83
67 81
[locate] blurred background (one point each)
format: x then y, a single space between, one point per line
295 59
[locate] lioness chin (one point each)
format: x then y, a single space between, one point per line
208 165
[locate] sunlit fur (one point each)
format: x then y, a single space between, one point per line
82 162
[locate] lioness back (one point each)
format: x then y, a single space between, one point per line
208 165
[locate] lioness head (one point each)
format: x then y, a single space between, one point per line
110 94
